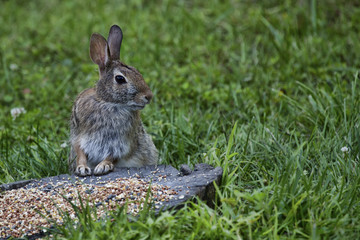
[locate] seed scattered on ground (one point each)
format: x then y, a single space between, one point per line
24 211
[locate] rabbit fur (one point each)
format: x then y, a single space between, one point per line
106 130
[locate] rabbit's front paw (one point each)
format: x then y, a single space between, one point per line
83 170
103 168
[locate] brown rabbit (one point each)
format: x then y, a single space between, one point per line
105 127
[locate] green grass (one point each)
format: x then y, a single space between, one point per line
268 90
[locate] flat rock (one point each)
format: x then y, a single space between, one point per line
188 183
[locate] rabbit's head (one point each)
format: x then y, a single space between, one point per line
118 83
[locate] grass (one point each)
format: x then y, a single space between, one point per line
268 90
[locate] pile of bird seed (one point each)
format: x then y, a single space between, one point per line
24 212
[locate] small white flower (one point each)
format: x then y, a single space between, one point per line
345 149
15 112
305 172
13 66
64 145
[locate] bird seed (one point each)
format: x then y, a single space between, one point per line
27 211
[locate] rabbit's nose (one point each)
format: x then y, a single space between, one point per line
147 97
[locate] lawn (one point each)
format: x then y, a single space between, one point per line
268 90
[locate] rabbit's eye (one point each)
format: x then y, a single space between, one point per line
120 79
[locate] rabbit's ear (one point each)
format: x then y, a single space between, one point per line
114 40
99 51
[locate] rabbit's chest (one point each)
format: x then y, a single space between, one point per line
112 139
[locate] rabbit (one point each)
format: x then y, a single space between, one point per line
106 130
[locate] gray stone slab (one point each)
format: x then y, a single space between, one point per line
15 185
188 183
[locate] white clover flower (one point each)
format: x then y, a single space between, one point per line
13 66
305 172
345 149
64 145
15 112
